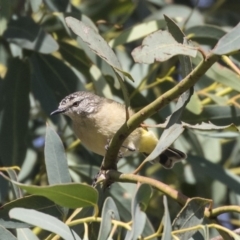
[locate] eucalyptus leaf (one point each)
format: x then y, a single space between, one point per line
192 214
109 212
166 221
160 46
44 221
56 162
14 122
25 33
137 32
100 47
13 175
30 202
5 15
214 171
139 204
229 42
26 234
210 126
205 31
72 195
6 235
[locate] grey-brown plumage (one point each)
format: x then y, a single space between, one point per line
96 120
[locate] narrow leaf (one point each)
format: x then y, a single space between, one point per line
25 33
229 42
167 138
137 32
13 175
94 41
14 122
109 212
160 46
72 195
41 90
173 125
30 202
139 204
210 126
205 31
6 235
221 74
44 221
217 114
26 234
56 162
166 221
215 171
59 77
192 214
100 47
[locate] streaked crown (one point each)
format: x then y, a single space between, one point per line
81 103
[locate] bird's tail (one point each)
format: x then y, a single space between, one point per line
171 156
167 158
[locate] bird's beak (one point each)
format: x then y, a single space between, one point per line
57 111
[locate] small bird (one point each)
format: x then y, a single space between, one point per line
96 119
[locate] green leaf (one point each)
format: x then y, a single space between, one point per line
214 113
6 9
25 33
13 175
136 32
100 85
26 234
173 126
180 12
191 214
58 6
76 57
168 136
35 4
109 212
160 46
14 122
56 162
42 92
166 221
205 31
72 195
229 42
210 126
214 171
44 221
139 204
94 41
100 47
194 105
221 74
51 81
6 235
30 202
59 77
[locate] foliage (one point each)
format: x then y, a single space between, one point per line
146 54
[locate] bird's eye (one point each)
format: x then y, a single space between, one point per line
75 104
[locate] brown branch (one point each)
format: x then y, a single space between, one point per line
110 159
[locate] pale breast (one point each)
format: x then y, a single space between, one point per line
97 129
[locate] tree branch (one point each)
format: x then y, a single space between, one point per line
132 178
110 159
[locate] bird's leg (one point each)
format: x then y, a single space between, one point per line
120 154
107 145
131 149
